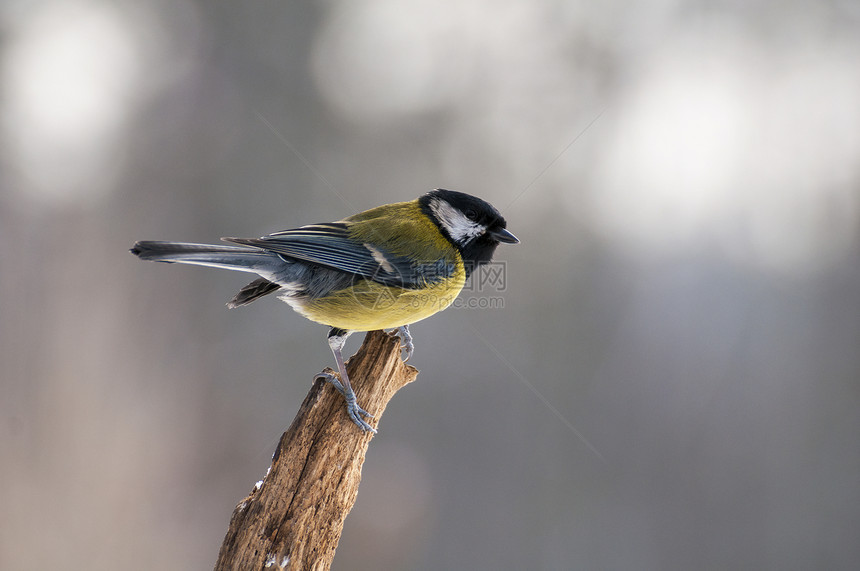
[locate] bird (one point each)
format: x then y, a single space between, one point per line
384 268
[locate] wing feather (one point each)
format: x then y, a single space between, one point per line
332 245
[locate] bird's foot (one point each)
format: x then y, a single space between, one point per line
405 340
355 412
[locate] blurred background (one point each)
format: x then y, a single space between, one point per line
672 382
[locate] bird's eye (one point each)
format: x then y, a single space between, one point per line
471 214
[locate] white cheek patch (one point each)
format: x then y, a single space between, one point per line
455 222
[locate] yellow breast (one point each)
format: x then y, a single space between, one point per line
368 305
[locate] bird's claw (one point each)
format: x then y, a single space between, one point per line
333 379
405 341
355 412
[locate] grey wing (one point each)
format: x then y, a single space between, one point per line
330 245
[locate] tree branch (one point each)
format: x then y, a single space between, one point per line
295 518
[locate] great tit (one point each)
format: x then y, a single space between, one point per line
383 268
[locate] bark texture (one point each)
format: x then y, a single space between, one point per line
295 518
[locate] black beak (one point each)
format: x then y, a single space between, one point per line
502 235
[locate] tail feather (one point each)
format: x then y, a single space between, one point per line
254 290
240 258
